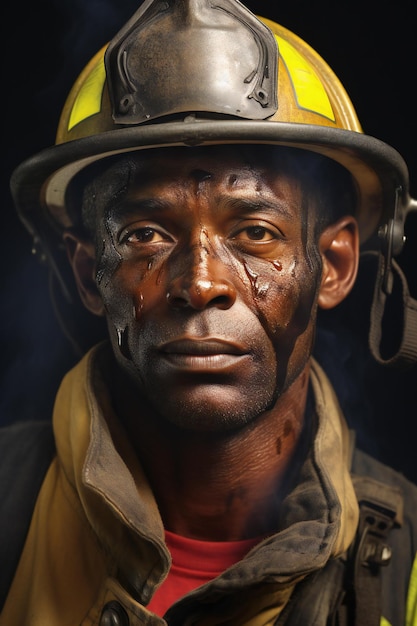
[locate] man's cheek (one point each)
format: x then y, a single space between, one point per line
118 303
129 299
287 309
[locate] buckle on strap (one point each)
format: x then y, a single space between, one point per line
381 509
374 526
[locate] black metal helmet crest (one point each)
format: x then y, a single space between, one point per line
192 55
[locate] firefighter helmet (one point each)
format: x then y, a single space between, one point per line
195 73
187 72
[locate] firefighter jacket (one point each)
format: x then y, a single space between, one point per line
95 552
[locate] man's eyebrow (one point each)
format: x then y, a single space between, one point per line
131 206
243 205
255 205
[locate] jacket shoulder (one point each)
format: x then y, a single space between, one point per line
26 451
364 464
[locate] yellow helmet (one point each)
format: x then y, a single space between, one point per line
186 72
190 72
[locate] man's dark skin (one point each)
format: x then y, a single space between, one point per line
207 270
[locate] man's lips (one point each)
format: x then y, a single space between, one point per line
202 354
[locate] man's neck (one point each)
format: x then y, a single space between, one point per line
223 486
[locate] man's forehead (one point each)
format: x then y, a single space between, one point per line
220 174
216 172
112 179
206 161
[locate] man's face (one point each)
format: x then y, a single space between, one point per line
209 278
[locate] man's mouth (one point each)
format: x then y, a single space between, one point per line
198 354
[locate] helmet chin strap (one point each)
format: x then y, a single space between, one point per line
400 300
391 292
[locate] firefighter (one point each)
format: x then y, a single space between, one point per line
210 191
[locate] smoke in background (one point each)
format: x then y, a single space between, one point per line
47 44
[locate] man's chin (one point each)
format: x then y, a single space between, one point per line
210 414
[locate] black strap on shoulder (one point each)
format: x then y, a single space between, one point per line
381 510
347 591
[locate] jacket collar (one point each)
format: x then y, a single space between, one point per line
318 518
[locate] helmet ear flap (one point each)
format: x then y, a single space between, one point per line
339 248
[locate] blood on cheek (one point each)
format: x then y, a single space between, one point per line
283 297
260 284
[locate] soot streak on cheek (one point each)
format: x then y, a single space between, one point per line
123 343
109 258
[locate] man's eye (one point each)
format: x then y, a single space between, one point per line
142 235
254 233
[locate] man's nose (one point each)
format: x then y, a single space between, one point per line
202 281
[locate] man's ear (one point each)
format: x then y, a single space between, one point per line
81 255
339 248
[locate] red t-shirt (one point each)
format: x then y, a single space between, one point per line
194 563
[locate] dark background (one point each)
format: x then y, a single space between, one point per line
47 43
